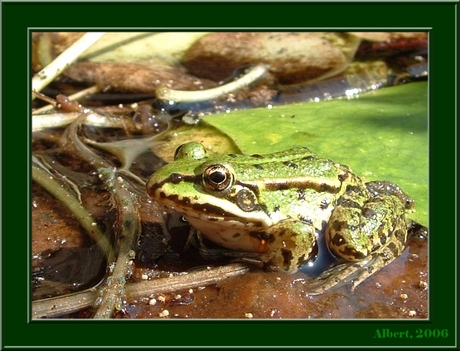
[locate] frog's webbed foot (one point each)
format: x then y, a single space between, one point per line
352 273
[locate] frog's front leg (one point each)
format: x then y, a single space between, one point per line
287 245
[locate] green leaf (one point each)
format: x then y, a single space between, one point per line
382 135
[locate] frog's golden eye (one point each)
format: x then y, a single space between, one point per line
217 178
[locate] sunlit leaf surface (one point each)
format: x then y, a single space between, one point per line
381 135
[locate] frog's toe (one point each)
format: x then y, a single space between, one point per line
329 279
352 274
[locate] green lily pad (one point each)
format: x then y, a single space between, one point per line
381 135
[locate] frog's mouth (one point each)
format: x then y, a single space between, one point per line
184 205
216 212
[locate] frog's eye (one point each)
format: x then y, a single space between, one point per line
217 178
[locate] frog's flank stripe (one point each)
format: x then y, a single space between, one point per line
325 185
331 187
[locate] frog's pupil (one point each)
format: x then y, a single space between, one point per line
217 177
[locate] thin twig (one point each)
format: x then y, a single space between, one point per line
58 306
59 119
64 60
176 96
74 97
195 279
129 230
129 226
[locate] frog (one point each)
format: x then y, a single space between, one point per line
271 209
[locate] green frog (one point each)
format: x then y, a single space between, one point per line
272 208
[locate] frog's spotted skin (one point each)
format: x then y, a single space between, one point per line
273 207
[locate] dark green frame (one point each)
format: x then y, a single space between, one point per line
18 331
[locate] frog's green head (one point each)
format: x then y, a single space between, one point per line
204 187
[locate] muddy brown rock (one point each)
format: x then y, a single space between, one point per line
134 77
292 57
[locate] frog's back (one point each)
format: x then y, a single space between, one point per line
297 166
